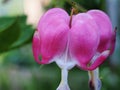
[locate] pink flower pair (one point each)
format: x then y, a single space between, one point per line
85 40
86 43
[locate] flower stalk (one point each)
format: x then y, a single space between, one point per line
71 15
77 6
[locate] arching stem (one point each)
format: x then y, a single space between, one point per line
71 15
76 5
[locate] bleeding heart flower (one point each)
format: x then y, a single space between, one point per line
105 48
73 40
107 37
55 40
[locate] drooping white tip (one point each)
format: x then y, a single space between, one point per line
64 81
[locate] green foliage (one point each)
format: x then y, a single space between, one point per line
22 57
6 22
48 78
9 33
14 33
81 5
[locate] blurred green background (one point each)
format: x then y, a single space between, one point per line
19 71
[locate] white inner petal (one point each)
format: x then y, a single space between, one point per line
94 77
64 82
65 60
94 57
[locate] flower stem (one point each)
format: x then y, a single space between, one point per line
76 5
71 15
94 81
64 80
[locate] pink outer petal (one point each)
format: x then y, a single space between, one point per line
53 28
36 47
105 28
53 15
99 60
84 38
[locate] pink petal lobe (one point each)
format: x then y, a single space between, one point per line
53 28
98 61
84 38
105 28
36 47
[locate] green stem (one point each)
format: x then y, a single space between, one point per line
77 6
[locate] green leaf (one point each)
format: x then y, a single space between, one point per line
25 35
15 34
9 35
6 22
